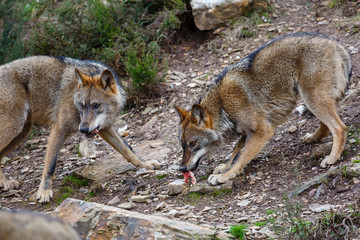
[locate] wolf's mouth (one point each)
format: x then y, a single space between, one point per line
92 133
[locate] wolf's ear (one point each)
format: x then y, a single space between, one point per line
81 78
200 116
198 113
182 113
108 80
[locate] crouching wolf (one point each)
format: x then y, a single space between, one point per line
21 225
253 96
66 94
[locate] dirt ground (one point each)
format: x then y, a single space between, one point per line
285 163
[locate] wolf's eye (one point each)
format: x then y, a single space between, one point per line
96 105
82 106
192 144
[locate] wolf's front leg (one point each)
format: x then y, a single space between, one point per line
234 156
254 144
56 139
113 138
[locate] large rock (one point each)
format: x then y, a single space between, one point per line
106 168
153 150
208 14
110 166
97 221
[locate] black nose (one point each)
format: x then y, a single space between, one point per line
84 129
182 168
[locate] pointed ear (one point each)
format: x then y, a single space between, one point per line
81 78
108 80
182 113
198 112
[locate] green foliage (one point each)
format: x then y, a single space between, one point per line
194 197
75 181
142 70
335 3
35 132
260 224
161 176
238 231
126 35
11 43
288 223
219 192
66 192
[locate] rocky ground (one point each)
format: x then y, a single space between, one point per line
284 164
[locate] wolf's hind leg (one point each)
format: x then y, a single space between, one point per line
321 132
12 134
254 144
234 156
325 111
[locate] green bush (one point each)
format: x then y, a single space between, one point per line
238 231
11 43
124 34
142 70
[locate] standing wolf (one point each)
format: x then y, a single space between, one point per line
255 95
66 94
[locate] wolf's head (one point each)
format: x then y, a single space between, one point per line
197 136
98 100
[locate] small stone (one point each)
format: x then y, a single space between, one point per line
162 196
192 85
5 160
180 74
312 192
127 205
206 209
352 140
320 208
243 219
177 186
140 198
243 203
146 111
353 50
302 122
356 180
259 199
113 201
325 22
292 129
160 206
171 214
278 138
87 148
8 193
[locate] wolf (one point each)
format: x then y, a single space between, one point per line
23 225
66 94
253 96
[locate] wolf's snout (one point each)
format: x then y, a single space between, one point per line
84 129
182 168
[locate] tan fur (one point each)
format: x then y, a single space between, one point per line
65 94
254 96
32 226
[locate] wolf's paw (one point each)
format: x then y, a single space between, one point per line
220 169
44 196
8 185
217 179
328 161
151 165
309 138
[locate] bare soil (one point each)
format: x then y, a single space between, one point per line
283 164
